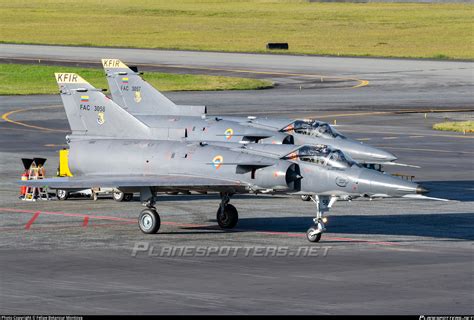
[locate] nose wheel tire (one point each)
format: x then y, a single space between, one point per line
228 218
312 234
149 221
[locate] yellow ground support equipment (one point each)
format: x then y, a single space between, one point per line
63 169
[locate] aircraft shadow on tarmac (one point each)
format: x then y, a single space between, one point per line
457 226
453 190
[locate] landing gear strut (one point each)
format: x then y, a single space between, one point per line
227 215
149 220
323 203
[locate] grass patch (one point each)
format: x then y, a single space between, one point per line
36 79
457 126
440 31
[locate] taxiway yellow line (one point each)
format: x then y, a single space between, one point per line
361 82
55 145
6 116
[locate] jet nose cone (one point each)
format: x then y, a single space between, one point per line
387 156
421 190
381 154
380 183
367 153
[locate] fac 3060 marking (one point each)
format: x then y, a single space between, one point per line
88 107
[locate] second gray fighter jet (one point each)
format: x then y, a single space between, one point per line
141 99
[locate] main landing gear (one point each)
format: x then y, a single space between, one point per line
227 215
323 203
149 220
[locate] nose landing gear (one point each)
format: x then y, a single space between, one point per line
149 220
323 204
315 232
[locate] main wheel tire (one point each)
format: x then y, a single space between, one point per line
229 218
62 194
149 221
118 196
128 197
305 197
313 237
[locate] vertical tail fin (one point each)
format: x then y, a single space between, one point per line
91 113
137 96
133 93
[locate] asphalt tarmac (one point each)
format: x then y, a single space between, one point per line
377 257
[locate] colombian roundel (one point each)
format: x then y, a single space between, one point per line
229 133
217 161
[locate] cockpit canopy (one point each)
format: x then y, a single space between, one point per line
322 155
313 128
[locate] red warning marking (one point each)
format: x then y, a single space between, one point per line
86 221
66 214
68 226
32 220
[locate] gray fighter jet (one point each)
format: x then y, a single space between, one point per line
197 128
111 148
139 98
